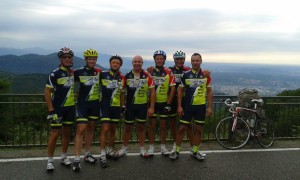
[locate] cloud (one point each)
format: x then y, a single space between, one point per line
117 28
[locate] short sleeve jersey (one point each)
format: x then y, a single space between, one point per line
137 89
61 80
163 79
195 87
178 73
88 79
112 86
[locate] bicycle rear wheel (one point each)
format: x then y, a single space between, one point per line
264 132
232 139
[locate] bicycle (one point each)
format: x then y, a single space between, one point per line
234 132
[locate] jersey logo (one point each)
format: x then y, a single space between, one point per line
136 83
114 84
159 80
193 83
89 80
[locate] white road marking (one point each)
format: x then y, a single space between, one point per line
158 153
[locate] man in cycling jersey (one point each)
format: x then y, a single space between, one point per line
112 104
88 106
138 85
178 69
59 97
195 87
165 90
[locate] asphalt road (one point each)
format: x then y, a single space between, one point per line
219 164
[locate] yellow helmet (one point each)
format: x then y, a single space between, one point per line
90 53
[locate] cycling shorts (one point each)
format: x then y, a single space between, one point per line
136 111
159 110
193 111
88 111
110 114
66 114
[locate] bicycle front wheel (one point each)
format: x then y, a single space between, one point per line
232 137
264 132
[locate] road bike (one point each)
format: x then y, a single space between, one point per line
234 132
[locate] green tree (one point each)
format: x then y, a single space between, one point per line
4 86
295 92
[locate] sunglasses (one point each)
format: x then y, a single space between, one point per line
66 57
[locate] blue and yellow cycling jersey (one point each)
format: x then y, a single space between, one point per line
195 87
88 79
61 80
163 79
137 88
112 86
178 73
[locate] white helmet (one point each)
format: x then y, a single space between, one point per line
179 54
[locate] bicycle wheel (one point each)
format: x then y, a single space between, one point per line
232 139
264 132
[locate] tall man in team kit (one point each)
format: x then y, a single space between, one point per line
195 87
138 85
88 106
178 69
112 104
165 90
59 97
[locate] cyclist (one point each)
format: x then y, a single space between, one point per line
88 106
196 87
178 69
138 84
59 97
112 104
165 90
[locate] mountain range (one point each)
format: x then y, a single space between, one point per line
31 70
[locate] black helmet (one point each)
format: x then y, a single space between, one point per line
160 52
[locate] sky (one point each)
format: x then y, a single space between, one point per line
232 31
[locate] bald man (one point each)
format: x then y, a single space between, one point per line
138 85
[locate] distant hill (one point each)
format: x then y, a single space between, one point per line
33 63
20 52
28 72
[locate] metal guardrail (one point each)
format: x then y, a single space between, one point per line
23 119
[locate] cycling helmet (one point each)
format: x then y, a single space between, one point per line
116 57
65 50
179 54
90 53
160 52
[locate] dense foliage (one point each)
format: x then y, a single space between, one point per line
295 92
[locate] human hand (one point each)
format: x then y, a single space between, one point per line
52 117
180 111
167 108
206 73
150 69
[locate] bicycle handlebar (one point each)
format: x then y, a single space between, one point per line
231 104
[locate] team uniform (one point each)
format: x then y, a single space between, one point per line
163 80
177 75
195 96
137 96
88 104
61 80
112 87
